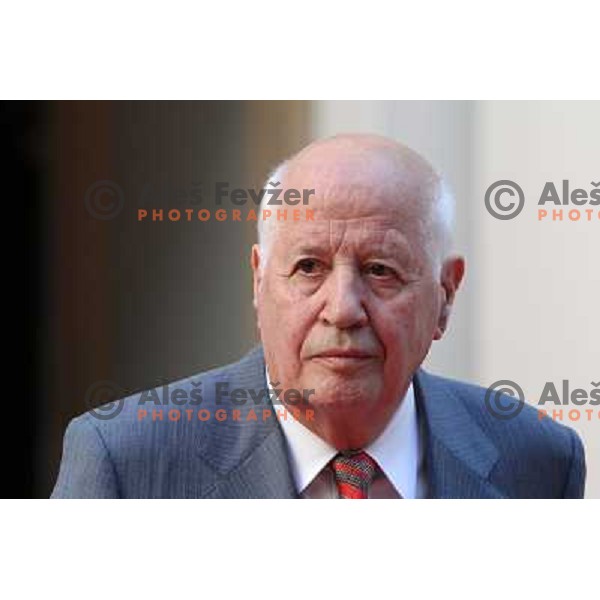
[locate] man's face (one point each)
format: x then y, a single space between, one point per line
348 305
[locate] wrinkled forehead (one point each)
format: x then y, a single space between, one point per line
374 203
348 238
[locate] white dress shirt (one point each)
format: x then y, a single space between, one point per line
398 451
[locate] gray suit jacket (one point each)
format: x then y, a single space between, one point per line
470 453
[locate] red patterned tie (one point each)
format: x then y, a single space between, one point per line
353 474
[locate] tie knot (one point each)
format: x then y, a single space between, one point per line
353 474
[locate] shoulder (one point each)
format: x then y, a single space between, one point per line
504 416
536 453
154 442
147 412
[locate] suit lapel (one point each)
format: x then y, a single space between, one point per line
250 456
264 474
459 455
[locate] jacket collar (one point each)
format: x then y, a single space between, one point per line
460 456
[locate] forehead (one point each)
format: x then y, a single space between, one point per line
358 215
360 237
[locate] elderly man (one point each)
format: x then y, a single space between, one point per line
348 304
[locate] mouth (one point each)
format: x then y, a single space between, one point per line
344 359
344 353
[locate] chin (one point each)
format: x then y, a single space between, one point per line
334 392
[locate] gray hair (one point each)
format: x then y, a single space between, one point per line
264 228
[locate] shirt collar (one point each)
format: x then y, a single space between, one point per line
396 449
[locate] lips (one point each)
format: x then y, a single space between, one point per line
345 361
344 353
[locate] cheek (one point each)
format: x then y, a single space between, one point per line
406 326
284 322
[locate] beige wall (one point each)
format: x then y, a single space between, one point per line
538 282
527 311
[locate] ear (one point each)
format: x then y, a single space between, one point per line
255 259
452 274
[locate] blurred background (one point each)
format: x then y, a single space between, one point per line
140 303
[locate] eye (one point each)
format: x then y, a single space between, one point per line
308 266
380 271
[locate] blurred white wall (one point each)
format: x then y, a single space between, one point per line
527 309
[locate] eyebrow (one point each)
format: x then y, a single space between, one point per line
392 247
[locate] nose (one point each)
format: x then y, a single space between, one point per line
344 306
